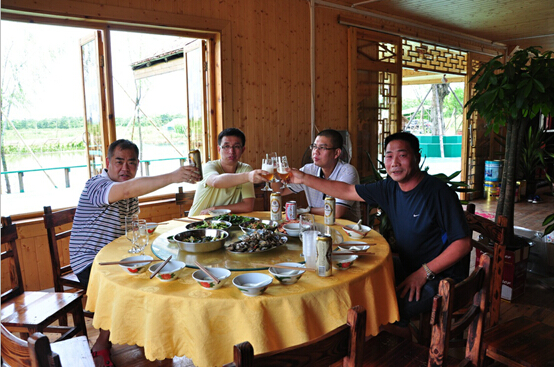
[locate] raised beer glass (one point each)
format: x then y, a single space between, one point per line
268 166
282 165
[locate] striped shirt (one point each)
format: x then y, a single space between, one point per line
344 172
97 222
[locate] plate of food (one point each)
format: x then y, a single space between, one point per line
251 226
200 240
234 219
209 224
261 240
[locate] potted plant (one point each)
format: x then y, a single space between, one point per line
537 144
511 94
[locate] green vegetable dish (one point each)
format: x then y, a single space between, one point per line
215 224
233 218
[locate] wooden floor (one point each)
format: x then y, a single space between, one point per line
536 303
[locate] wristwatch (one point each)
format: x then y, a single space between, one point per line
430 274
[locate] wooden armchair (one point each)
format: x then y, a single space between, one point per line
30 312
345 344
469 296
494 233
38 352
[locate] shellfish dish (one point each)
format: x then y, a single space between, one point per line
259 241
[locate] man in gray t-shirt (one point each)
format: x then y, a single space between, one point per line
326 151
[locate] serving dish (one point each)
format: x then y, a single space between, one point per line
236 220
364 230
261 240
354 246
219 211
250 227
190 240
209 224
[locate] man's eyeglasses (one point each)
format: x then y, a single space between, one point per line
320 148
234 147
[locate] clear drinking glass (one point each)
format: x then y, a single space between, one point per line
142 235
129 233
268 166
282 165
308 235
139 233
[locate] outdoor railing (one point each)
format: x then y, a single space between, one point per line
145 164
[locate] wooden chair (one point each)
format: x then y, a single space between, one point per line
184 200
345 344
63 275
470 295
521 341
38 352
492 233
30 312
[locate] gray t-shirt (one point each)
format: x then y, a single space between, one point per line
344 172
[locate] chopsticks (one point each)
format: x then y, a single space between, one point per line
355 231
215 279
124 262
160 267
282 267
189 219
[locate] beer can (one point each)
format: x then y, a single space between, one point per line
290 210
323 249
196 161
329 210
275 206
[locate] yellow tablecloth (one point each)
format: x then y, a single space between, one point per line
180 318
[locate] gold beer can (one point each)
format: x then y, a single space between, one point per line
323 248
196 161
275 206
329 210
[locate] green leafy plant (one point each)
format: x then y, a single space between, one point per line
511 94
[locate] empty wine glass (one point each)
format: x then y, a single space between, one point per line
282 165
129 233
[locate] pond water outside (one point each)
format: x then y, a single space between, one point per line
40 191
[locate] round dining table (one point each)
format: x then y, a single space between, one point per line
180 318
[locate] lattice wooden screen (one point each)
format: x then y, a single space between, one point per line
426 56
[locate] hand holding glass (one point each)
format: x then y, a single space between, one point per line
268 166
282 166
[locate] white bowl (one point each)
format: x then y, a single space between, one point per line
352 234
354 246
252 284
208 283
169 272
217 212
342 262
151 227
287 276
137 267
293 229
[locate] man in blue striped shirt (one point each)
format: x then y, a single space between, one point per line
105 201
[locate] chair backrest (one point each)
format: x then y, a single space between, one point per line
9 235
184 200
344 343
35 352
471 296
51 221
495 233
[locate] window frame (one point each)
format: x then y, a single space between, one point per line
214 34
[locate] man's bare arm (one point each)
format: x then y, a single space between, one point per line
144 185
336 189
226 180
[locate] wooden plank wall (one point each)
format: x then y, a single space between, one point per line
266 89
